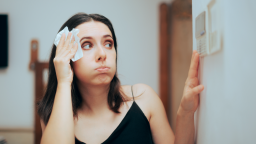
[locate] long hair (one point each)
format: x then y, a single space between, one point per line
115 95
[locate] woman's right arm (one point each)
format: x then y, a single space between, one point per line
60 127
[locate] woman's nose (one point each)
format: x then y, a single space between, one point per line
101 54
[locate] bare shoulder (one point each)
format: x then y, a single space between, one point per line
139 91
144 92
146 98
42 125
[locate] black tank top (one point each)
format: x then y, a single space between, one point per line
133 129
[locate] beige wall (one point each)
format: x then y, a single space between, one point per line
18 136
180 56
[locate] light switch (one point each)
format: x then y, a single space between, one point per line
200 33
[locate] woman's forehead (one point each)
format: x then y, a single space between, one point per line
93 29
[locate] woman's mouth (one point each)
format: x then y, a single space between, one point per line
102 69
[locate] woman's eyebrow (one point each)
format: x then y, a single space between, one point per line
107 36
91 37
85 38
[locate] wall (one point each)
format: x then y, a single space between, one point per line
136 26
227 105
180 58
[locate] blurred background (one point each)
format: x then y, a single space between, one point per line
136 23
155 43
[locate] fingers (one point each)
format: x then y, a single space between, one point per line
64 46
73 51
193 70
193 53
71 44
66 49
61 43
198 89
67 42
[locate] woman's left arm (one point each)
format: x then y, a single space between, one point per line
159 124
185 130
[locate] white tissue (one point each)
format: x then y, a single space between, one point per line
79 52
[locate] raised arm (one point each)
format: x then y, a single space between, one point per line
185 116
60 127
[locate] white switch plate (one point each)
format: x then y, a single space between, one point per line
214 29
201 34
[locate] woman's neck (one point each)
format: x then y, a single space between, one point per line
95 98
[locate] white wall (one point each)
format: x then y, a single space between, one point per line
136 27
227 105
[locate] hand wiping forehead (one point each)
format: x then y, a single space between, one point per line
79 52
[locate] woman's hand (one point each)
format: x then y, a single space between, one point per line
64 52
190 99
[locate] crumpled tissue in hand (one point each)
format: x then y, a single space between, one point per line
79 52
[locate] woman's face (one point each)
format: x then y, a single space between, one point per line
98 65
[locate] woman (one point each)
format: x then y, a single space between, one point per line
85 103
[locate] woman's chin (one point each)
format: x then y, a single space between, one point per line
99 80
102 80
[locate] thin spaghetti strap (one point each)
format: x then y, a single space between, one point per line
132 93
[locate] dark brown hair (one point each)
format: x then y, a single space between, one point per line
115 95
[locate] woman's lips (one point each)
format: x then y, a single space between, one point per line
103 70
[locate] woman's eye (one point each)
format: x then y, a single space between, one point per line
108 45
87 46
